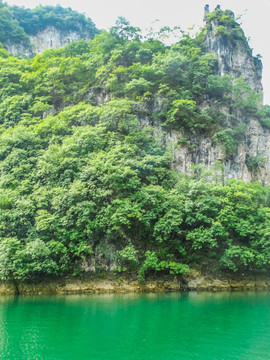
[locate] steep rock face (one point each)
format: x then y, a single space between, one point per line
234 57
49 38
233 52
54 38
207 152
19 49
236 60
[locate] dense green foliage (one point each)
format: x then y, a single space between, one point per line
82 176
226 26
37 19
9 26
16 23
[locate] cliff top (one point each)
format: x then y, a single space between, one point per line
223 23
17 23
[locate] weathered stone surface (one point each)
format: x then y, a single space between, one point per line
7 289
234 57
19 49
94 286
196 281
206 151
49 38
193 281
52 38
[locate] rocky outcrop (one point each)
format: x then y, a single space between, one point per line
226 40
196 281
234 55
93 286
192 281
204 150
49 38
52 38
21 49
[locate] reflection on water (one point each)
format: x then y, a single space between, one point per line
133 326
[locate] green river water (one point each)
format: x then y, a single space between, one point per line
150 326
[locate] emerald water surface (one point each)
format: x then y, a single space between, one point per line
168 326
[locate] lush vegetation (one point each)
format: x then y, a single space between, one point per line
84 174
225 25
37 19
16 23
9 26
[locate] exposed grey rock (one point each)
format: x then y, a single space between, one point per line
206 11
234 57
19 49
49 38
52 38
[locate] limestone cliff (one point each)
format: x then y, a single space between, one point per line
49 38
52 37
251 160
26 32
20 49
208 153
225 38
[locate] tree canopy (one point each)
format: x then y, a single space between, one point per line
17 23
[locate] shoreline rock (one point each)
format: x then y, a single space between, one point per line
194 281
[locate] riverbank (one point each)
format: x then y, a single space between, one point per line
194 281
